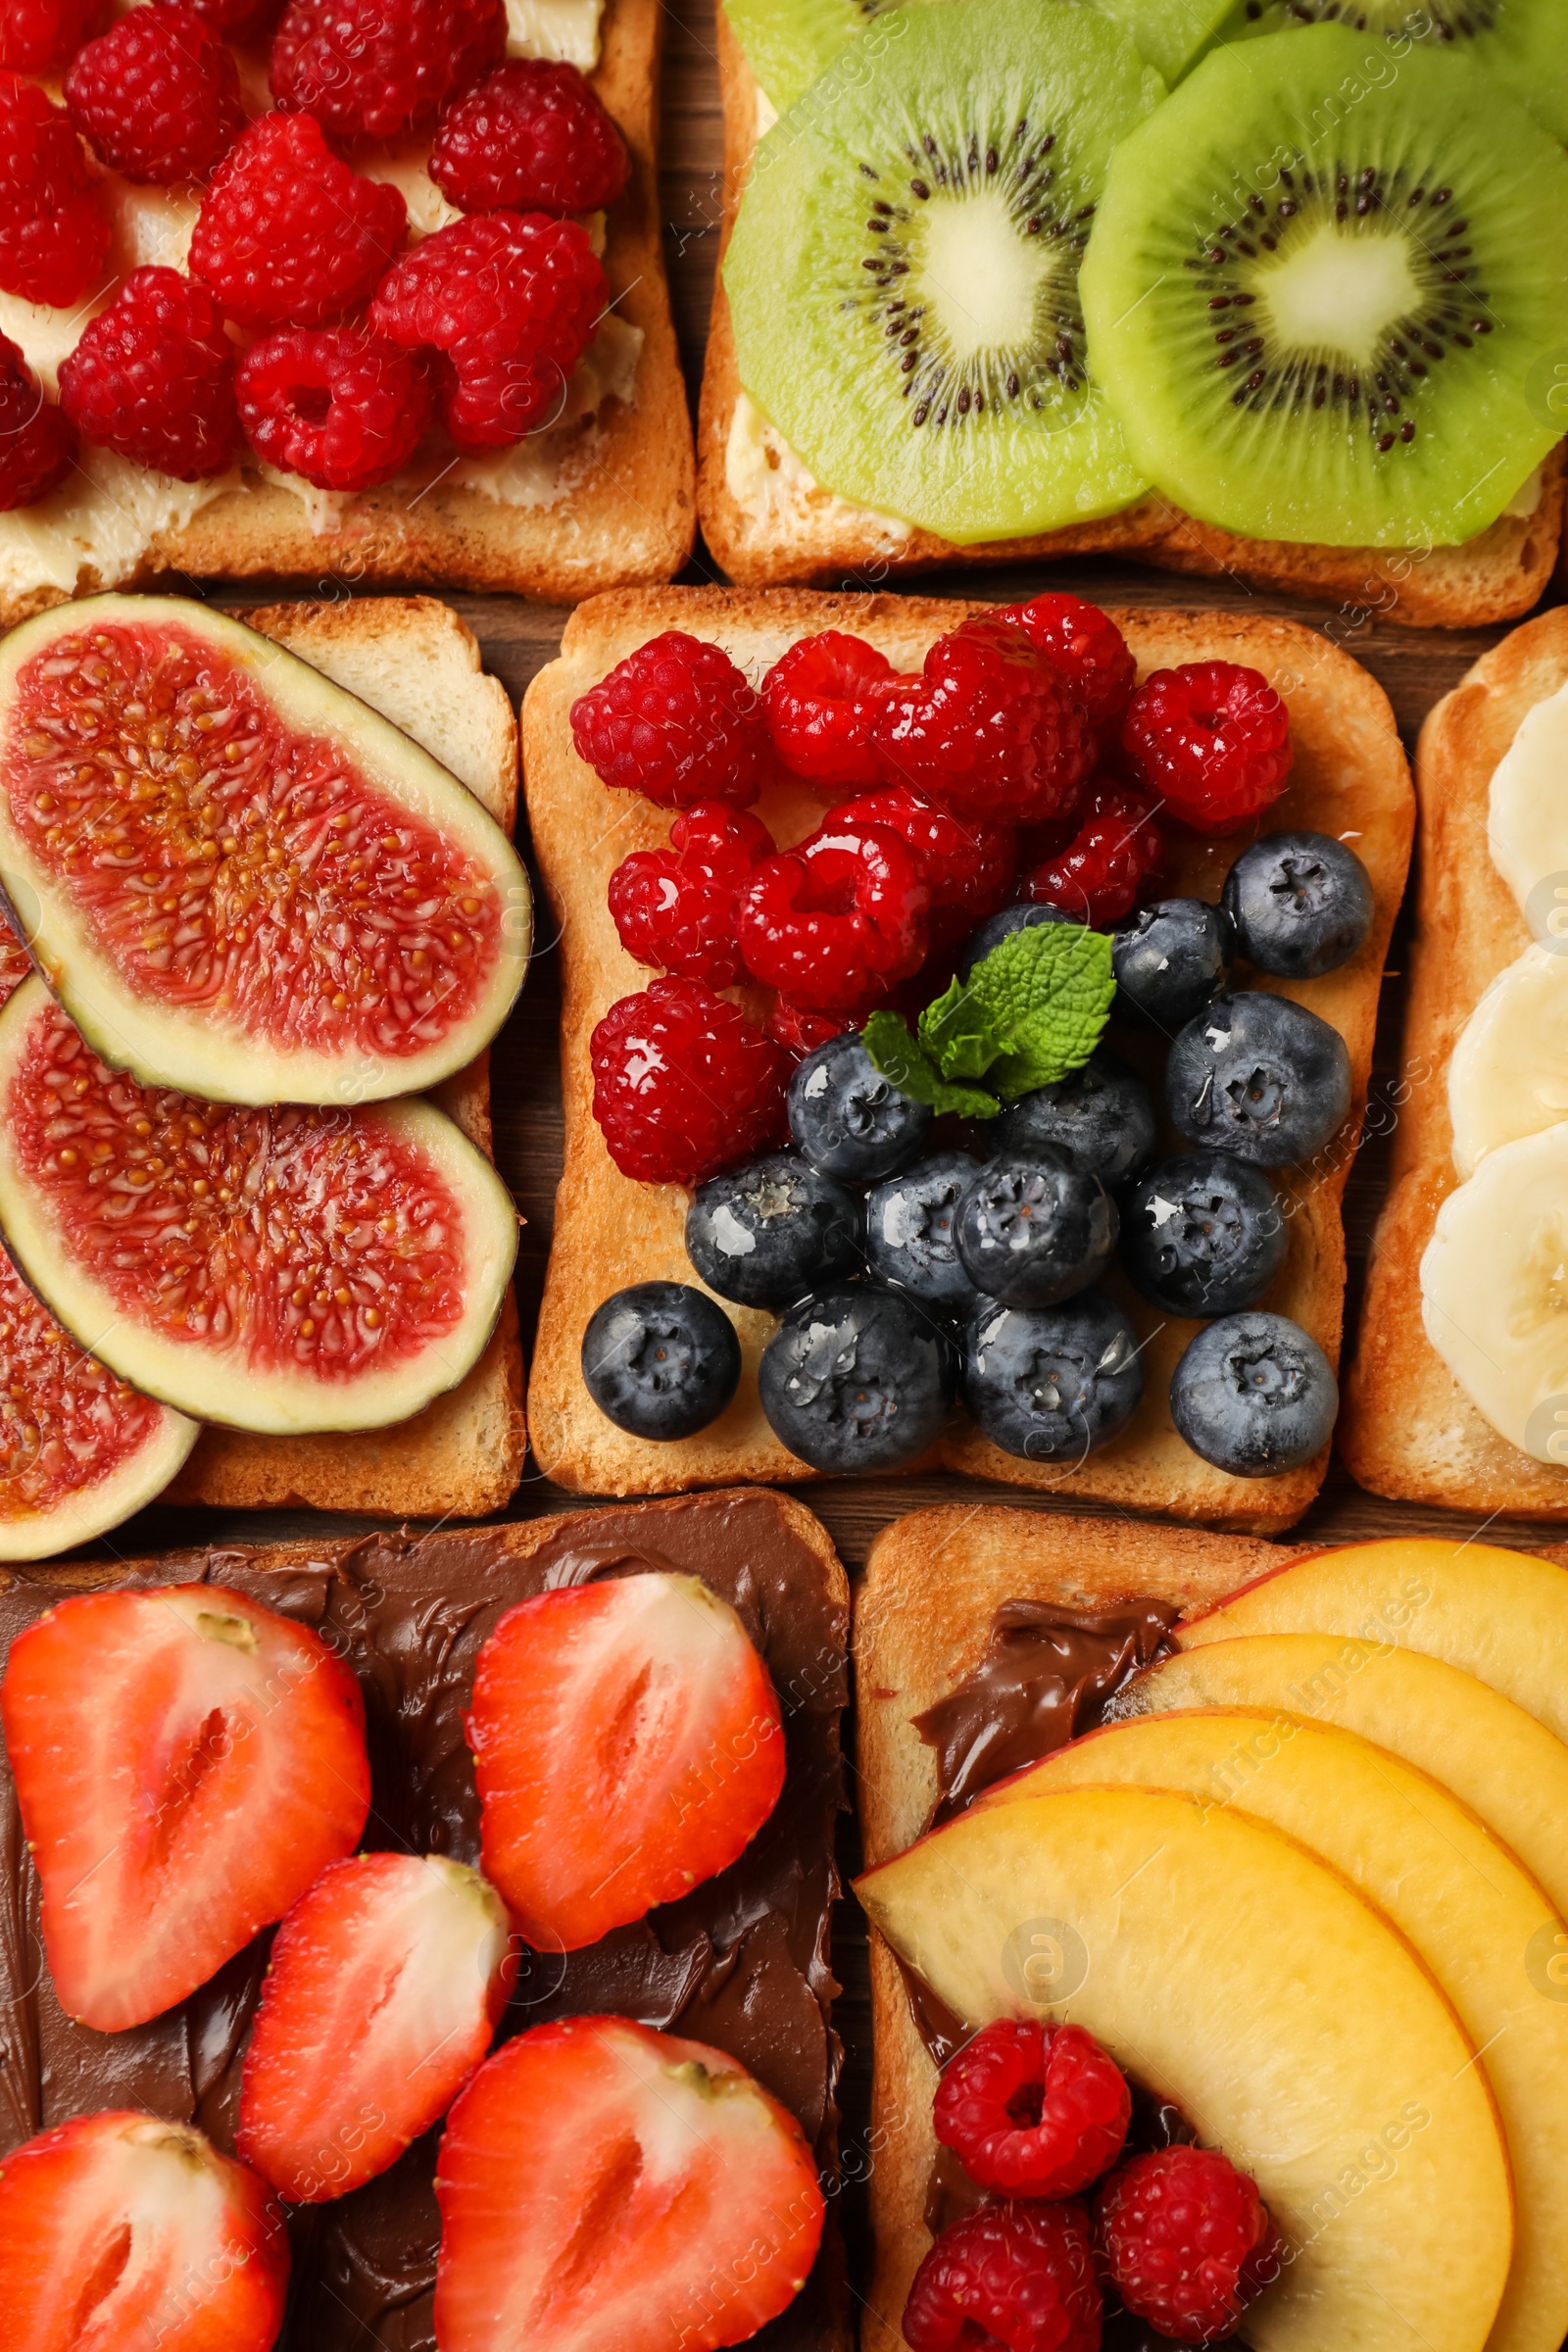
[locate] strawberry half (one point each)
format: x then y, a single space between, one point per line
605 2189
626 1742
386 1983
118 2229
186 1763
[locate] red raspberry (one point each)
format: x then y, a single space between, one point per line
990 729
684 1084
821 700
511 301
1032 2110
153 379
289 237
157 95
1212 739
35 441
675 720
342 409
531 137
835 921
1101 873
968 865
1018 2276
54 229
374 68
232 16
798 1031
675 908
1187 2242
1087 648
37 34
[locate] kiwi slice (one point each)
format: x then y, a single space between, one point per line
904 273
1317 287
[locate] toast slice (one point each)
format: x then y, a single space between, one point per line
766 521
1350 778
1409 1429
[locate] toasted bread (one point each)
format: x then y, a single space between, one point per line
1350 778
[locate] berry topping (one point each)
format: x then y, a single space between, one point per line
1202 1235
383 1988
1254 1395
1032 2110
677 721
1301 903
1032 1229
1002 925
1087 647
1172 959
195 1757
1098 876
1212 740
374 68
675 908
1258 1076
289 237
990 730
531 137
908 1231
835 921
37 34
661 1360
822 698
342 409
35 441
158 94
847 1119
1052 1383
968 864
1020 2278
153 379
857 1379
54 228
1101 1116
1187 2242
627 1744
799 1030
766 1233
684 1084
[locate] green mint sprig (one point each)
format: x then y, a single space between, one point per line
1029 1013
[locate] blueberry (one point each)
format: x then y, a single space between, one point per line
1202 1235
859 1379
1260 1077
1002 925
661 1359
908 1231
766 1233
1253 1394
1052 1384
1301 903
1170 959
847 1119
1033 1228
1101 1117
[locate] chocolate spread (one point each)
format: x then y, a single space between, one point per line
741 1962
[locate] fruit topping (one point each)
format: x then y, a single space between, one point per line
1187 2242
1254 1395
798 1031
283 1269
989 729
531 137
37 34
857 1379
187 1763
677 721
119 2226
1172 959
157 95
1301 903
1202 1235
627 1744
1212 740
1033 2110
1087 647
968 864
1020 2278
661 1360
822 698
342 409
766 1233
288 235
1261 1077
684 1084
152 377
508 302
716 2210
1027 915
908 1231
1050 1384
1517 45
675 908
35 441
1100 1118
374 68
834 922
54 226
384 1985
1033 1228
1099 873
847 1119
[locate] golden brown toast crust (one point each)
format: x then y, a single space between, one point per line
1350 778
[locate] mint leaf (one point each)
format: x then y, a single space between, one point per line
956 1034
904 1062
1045 995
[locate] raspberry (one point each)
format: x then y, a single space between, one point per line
1102 870
833 922
684 1084
675 908
798 1031
511 301
531 137
990 729
1086 647
821 700
1020 2277
968 865
342 409
1213 739
153 379
289 237
35 441
675 720
35 34
374 68
1187 2242
54 229
157 95
1032 2110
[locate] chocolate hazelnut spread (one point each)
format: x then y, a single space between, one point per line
741 1961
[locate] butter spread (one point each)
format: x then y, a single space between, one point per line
775 489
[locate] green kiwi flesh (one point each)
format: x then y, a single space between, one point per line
1324 288
902 275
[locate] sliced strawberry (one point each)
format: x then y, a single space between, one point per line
121 2230
626 1741
605 2189
188 1762
386 1983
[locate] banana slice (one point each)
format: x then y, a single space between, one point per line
1508 1075
1526 821
1494 1290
